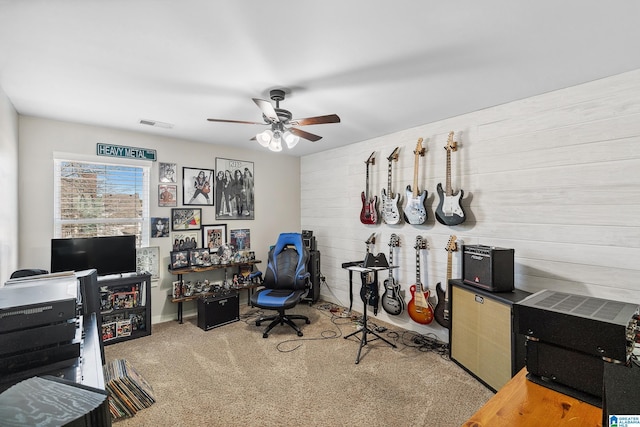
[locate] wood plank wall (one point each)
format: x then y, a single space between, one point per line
556 177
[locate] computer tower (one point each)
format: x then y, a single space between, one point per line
313 267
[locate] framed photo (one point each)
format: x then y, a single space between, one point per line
179 259
240 239
186 219
234 189
197 186
185 240
199 257
167 195
214 236
148 259
176 290
167 172
159 227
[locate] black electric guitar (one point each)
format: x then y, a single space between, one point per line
449 211
419 308
392 301
390 210
369 212
369 293
441 312
414 210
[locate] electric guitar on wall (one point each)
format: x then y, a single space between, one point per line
414 210
390 210
369 213
419 308
392 301
449 211
442 307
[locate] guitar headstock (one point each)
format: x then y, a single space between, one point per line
394 240
419 151
452 246
372 159
420 243
451 144
394 155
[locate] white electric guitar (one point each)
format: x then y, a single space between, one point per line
390 210
414 210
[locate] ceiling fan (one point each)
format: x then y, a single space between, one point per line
282 123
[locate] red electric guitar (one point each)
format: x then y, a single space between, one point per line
369 212
419 308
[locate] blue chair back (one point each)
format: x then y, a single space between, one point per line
287 263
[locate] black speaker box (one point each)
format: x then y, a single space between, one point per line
218 310
570 372
313 267
488 267
620 391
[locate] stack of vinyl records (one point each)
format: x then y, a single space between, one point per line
50 402
128 391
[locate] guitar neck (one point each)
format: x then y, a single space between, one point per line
449 190
366 189
418 283
416 163
446 285
389 179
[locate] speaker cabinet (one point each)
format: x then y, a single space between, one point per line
488 267
313 267
482 339
218 310
558 366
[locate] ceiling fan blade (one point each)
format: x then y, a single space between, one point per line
305 135
236 121
318 120
267 109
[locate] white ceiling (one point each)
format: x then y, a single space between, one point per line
381 65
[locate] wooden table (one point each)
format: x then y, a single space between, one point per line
522 403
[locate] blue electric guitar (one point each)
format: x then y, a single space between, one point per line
390 210
414 210
449 211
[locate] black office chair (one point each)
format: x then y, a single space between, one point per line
286 282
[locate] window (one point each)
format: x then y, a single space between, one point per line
94 199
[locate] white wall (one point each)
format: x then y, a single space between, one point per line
556 177
277 188
8 188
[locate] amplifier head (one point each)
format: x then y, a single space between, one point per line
488 267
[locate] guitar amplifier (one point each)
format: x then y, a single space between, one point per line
218 310
488 267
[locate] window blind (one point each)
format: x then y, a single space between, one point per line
101 199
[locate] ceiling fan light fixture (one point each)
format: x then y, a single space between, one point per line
275 145
291 139
264 138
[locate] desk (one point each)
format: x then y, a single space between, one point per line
521 403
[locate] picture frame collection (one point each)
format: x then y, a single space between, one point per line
229 189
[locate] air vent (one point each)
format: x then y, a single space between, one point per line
156 124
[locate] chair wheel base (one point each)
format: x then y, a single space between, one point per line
308 321
265 335
299 334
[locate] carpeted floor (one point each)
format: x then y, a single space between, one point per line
231 376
